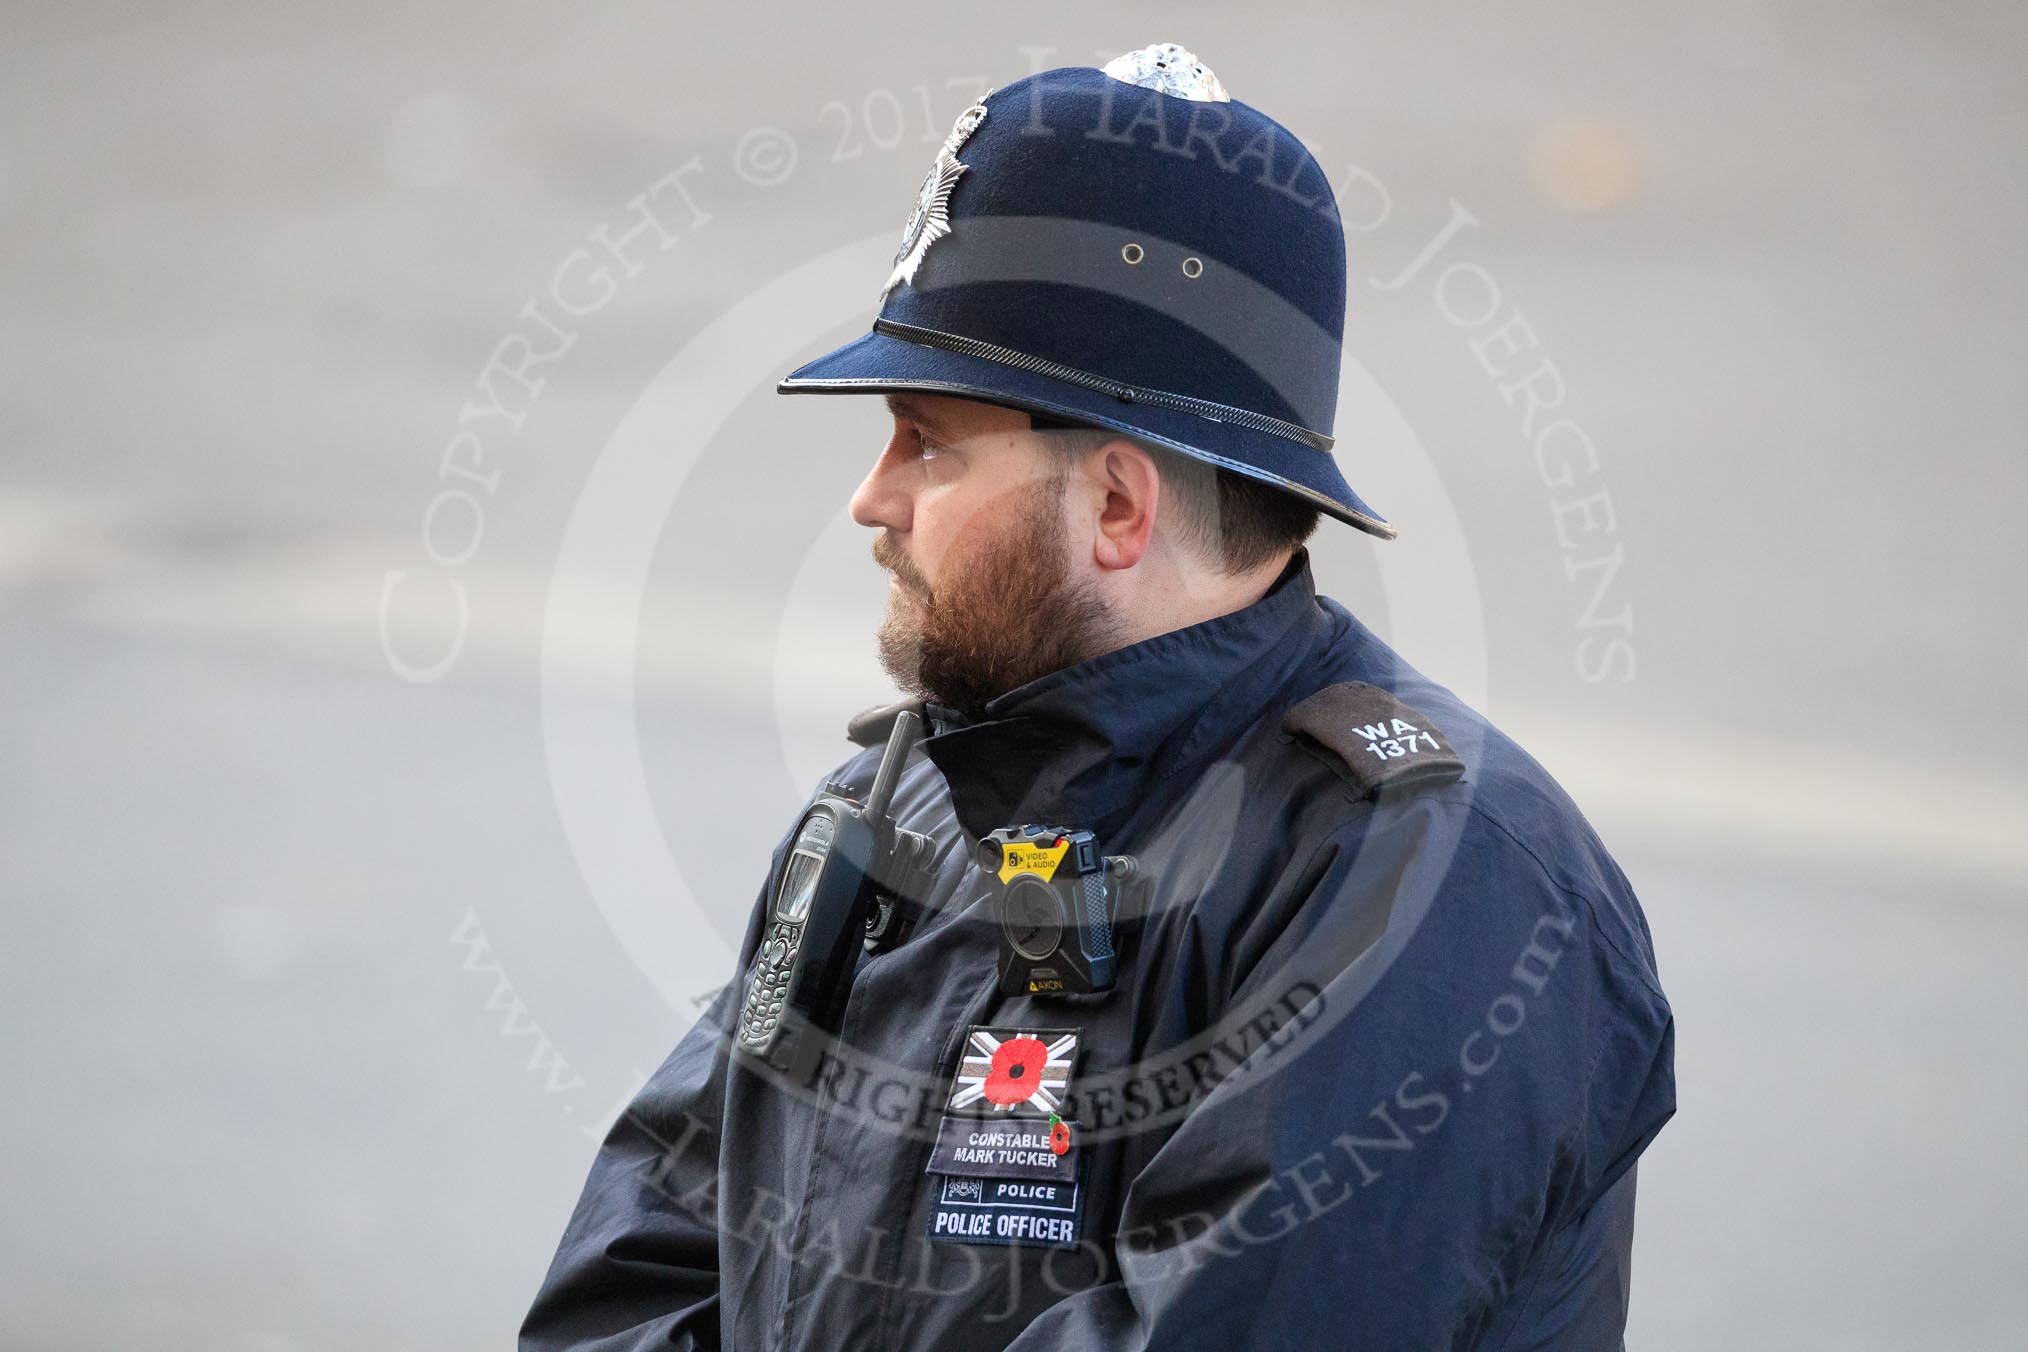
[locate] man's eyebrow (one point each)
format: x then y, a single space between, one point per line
909 410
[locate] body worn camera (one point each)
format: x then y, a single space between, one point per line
1056 902
846 859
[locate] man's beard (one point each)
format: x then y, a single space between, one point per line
1005 614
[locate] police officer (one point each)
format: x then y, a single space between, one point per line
1249 989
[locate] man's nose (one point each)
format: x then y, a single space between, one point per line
885 497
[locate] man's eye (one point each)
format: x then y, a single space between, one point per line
930 450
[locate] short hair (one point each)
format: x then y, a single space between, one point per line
1233 522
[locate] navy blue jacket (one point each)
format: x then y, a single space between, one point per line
1375 1075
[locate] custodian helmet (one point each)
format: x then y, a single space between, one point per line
1132 249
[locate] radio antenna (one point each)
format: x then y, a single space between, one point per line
901 741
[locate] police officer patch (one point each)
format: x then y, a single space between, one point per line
1000 1211
1005 1168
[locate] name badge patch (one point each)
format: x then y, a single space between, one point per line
1011 1149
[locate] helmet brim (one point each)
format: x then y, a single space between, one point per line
878 363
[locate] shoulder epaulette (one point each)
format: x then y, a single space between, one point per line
869 727
1382 743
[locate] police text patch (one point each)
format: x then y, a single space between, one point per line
1005 1211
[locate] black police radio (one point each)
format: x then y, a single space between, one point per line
1057 900
846 860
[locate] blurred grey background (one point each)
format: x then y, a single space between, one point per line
320 979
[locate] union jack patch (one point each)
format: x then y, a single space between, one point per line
1017 1072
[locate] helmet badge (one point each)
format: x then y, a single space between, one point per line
931 219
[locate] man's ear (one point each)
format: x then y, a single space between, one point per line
1129 488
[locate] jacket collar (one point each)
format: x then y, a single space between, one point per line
1083 746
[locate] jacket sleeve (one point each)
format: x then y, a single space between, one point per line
1580 1291
1409 1163
638 1264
